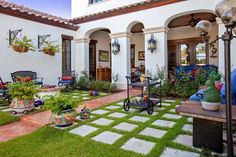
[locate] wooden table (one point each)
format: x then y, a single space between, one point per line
207 125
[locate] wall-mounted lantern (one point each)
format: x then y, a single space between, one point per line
12 35
152 43
42 39
115 47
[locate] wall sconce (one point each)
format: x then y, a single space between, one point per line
115 47
226 11
12 35
152 44
42 39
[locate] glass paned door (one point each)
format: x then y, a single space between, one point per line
184 54
201 57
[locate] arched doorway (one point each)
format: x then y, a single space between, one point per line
99 55
185 47
137 47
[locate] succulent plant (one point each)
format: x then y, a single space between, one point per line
211 93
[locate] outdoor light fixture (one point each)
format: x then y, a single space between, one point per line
42 39
226 11
152 44
12 35
115 47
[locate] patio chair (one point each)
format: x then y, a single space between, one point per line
18 76
67 79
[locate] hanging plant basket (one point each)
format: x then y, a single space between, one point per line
49 51
20 49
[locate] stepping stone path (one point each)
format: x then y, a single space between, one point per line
107 137
163 123
188 127
102 121
83 130
172 116
153 132
190 120
100 112
112 107
184 140
138 146
169 100
139 119
117 115
165 104
159 108
172 110
132 110
170 152
125 126
145 113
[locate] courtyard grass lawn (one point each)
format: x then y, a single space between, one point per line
6 118
50 142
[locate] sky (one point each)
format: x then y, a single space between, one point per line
60 8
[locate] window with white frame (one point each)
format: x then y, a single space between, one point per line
94 1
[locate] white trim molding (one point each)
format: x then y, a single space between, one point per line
120 35
82 40
156 30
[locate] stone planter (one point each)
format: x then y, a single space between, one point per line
20 49
66 118
22 106
210 106
49 52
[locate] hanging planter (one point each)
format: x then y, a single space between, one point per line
22 45
50 49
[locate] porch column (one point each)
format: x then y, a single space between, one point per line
221 30
160 55
82 55
121 62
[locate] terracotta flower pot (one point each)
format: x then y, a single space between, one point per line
49 51
64 119
22 106
20 49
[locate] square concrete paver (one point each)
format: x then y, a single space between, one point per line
83 130
190 120
138 146
100 112
168 100
107 137
145 113
132 110
170 152
159 108
117 115
184 140
164 123
188 127
153 132
125 126
112 107
172 116
172 110
102 121
120 103
165 104
139 119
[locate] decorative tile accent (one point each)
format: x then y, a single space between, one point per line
138 146
153 132
184 140
139 119
170 152
188 127
164 123
125 126
102 121
83 130
117 115
172 116
100 112
107 137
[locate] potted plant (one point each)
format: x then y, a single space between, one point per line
62 107
50 48
22 95
211 100
22 45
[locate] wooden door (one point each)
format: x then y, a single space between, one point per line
92 59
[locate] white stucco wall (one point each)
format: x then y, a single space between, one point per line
81 7
190 32
46 66
138 40
103 43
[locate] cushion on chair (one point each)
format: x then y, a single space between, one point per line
64 78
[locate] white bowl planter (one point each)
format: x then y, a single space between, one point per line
211 106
